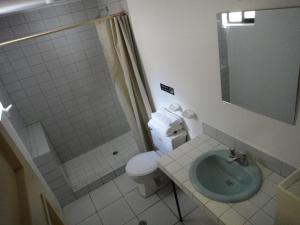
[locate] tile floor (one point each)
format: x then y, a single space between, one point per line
95 164
118 202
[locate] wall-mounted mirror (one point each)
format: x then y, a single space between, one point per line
260 60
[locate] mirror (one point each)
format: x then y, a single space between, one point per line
260 60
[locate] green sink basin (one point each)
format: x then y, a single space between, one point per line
219 180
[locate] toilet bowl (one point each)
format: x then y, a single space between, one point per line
143 168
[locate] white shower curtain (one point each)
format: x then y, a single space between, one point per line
117 42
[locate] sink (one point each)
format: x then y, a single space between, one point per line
219 180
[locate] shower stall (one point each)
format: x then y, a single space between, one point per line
65 107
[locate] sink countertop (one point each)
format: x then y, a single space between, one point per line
258 210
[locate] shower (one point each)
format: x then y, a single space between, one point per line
61 92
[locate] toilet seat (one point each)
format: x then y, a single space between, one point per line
142 164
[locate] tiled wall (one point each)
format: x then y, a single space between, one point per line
62 79
53 173
267 160
108 7
15 118
23 24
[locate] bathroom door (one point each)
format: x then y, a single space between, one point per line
10 202
22 196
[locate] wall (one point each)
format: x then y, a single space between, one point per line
178 44
62 79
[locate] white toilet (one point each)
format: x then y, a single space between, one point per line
143 168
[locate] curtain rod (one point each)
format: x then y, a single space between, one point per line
62 28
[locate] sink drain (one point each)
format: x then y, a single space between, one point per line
229 182
115 153
142 222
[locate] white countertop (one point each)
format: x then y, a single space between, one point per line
258 210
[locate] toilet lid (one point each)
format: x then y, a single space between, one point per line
142 164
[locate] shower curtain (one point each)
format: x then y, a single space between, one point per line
117 42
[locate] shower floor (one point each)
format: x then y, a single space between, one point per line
95 164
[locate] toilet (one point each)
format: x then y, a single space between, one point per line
143 168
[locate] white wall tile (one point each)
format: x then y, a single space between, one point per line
33 16
48 12
16 19
60 80
37 26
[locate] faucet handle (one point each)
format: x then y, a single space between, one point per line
232 153
244 159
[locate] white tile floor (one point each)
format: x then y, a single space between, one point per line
99 162
118 202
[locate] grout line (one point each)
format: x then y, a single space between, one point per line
135 217
261 209
109 204
89 215
154 203
145 208
123 196
191 213
92 201
170 207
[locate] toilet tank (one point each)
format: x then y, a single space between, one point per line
166 144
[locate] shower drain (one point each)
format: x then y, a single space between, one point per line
142 222
115 153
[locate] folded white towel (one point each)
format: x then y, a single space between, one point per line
162 128
168 118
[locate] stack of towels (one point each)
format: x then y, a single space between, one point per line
166 122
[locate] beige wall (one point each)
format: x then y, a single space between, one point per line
29 180
177 41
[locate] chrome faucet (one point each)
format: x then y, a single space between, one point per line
241 158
